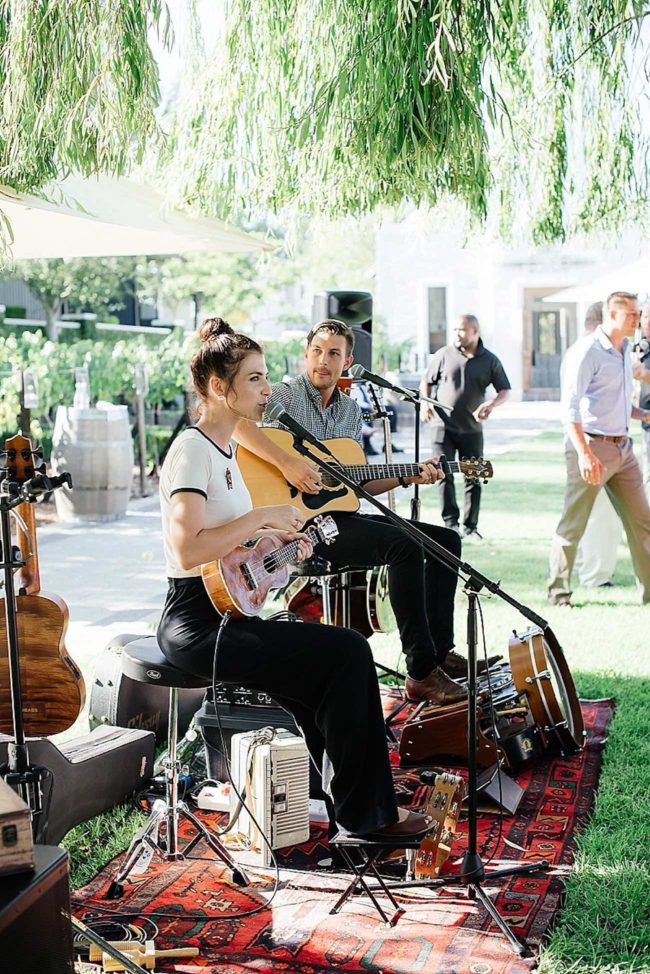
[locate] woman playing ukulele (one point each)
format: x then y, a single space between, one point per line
324 676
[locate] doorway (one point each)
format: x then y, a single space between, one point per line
549 329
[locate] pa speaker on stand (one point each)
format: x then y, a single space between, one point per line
355 309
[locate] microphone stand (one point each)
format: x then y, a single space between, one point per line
472 870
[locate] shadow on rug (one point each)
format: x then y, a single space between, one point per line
194 904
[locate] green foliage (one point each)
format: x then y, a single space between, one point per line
344 108
80 86
232 286
110 365
92 282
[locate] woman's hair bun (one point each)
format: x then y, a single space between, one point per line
213 328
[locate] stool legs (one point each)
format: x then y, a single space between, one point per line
146 843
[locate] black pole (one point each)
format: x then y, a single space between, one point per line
9 563
415 500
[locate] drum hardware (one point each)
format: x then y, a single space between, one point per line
540 676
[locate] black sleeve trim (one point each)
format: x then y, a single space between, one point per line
189 490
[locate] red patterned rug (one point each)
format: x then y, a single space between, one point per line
441 931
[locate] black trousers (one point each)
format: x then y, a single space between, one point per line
324 676
465 446
421 588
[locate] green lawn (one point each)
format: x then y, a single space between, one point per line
605 923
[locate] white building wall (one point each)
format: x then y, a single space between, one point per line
481 277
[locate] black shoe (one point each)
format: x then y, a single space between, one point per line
455 665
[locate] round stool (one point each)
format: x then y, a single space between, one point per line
143 660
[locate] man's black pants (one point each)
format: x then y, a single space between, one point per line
464 446
421 588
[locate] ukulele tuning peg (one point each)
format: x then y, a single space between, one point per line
42 468
38 452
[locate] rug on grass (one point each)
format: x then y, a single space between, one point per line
441 931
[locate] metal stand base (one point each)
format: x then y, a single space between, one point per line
148 841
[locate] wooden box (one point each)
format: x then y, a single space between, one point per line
16 845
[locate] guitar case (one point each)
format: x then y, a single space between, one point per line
88 775
118 700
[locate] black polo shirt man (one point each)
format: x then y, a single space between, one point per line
457 376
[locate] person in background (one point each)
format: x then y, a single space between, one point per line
598 549
597 408
458 376
641 372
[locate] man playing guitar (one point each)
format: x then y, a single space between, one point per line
421 588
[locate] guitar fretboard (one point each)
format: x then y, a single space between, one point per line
362 472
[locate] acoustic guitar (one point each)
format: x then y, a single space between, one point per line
241 581
267 484
53 690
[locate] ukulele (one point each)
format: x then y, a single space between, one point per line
267 484
241 581
53 690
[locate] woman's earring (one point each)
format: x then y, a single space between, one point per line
222 398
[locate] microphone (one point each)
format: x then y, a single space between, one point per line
278 415
362 375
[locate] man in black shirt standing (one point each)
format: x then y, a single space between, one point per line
641 371
458 376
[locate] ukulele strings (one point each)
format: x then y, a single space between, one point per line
283 556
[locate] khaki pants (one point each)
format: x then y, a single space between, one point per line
623 483
646 462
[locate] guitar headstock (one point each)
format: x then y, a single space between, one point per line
326 528
476 469
19 459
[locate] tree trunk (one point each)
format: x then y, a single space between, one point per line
52 313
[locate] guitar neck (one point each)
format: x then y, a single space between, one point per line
30 579
390 471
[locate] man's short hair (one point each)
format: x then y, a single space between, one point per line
617 299
334 327
594 316
470 320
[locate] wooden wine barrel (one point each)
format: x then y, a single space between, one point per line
95 447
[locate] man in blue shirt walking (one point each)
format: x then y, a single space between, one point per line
597 407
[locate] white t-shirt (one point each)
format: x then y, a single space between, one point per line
196 463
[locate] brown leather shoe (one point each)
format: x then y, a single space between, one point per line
414 823
436 688
455 665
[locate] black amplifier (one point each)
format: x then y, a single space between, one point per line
240 696
218 724
35 928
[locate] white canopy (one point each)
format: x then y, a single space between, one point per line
633 277
105 217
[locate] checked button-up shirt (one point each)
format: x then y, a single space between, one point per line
298 397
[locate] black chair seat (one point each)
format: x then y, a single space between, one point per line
142 660
312 567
